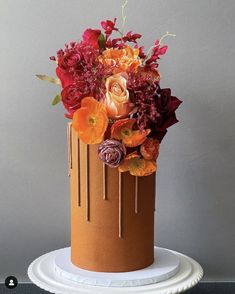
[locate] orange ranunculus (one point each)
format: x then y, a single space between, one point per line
150 149
117 97
90 121
124 60
137 166
123 130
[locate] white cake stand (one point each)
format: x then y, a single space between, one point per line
172 273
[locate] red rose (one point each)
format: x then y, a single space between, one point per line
71 98
90 37
65 77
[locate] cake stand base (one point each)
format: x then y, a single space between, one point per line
173 273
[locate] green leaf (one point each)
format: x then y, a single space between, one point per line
56 100
101 41
48 79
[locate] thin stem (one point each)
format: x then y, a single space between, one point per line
166 35
124 4
121 34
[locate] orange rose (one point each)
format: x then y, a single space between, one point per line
126 59
117 97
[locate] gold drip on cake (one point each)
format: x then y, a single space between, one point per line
87 184
69 144
78 175
136 194
104 182
120 204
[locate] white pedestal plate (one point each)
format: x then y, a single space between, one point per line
172 273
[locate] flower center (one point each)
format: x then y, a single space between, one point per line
137 164
116 89
126 132
92 120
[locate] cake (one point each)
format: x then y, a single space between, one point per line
118 116
112 214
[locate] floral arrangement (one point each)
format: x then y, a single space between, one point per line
111 91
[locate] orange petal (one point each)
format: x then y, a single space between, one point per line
138 166
90 121
132 155
150 167
137 138
141 167
92 104
119 125
125 165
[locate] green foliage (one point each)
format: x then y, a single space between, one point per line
56 99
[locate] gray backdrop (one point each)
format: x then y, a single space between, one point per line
196 185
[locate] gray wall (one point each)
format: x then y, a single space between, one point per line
196 185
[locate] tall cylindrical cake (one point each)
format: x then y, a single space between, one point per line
112 213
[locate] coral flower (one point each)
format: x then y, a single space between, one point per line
150 149
138 166
123 60
123 130
90 121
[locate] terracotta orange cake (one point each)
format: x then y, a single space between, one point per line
117 117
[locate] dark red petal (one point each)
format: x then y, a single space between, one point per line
170 120
159 134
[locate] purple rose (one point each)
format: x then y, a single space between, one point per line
111 152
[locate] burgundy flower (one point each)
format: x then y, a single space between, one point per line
142 88
91 36
71 98
109 26
111 152
166 106
112 43
129 37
